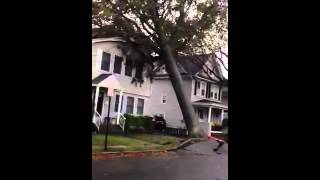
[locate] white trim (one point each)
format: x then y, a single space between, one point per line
119 106
209 114
204 79
211 105
113 39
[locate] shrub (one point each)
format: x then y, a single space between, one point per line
138 124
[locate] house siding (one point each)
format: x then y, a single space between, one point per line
125 81
171 109
129 89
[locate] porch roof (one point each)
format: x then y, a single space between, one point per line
210 103
100 78
107 80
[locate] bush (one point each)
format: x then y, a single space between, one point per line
138 124
225 123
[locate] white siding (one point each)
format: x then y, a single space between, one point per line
171 109
111 48
128 88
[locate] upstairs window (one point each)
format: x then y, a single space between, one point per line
105 62
128 67
203 89
117 64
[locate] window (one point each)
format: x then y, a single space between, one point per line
130 101
140 106
203 89
200 112
164 99
117 64
128 68
215 95
116 104
211 94
198 84
202 92
105 62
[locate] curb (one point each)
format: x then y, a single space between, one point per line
187 142
124 153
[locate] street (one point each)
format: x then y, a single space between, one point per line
194 162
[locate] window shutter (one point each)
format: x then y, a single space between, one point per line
219 95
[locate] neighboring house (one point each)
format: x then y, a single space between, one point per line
111 77
201 87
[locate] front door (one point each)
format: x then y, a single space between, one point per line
100 102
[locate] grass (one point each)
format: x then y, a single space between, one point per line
136 142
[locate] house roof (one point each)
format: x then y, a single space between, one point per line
207 101
210 103
100 78
191 65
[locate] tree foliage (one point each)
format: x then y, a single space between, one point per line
188 26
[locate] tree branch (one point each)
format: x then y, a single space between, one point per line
221 61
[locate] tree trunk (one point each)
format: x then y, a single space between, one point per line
187 110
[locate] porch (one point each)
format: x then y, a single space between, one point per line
106 87
210 113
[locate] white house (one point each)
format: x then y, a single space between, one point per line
111 77
201 88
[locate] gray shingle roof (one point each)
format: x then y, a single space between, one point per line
100 78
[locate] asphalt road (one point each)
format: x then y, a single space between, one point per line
195 162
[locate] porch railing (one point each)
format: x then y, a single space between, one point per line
97 120
122 121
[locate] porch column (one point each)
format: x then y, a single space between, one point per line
95 103
119 106
222 113
209 115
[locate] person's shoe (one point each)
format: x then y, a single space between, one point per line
215 149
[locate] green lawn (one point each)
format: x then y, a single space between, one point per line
136 142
